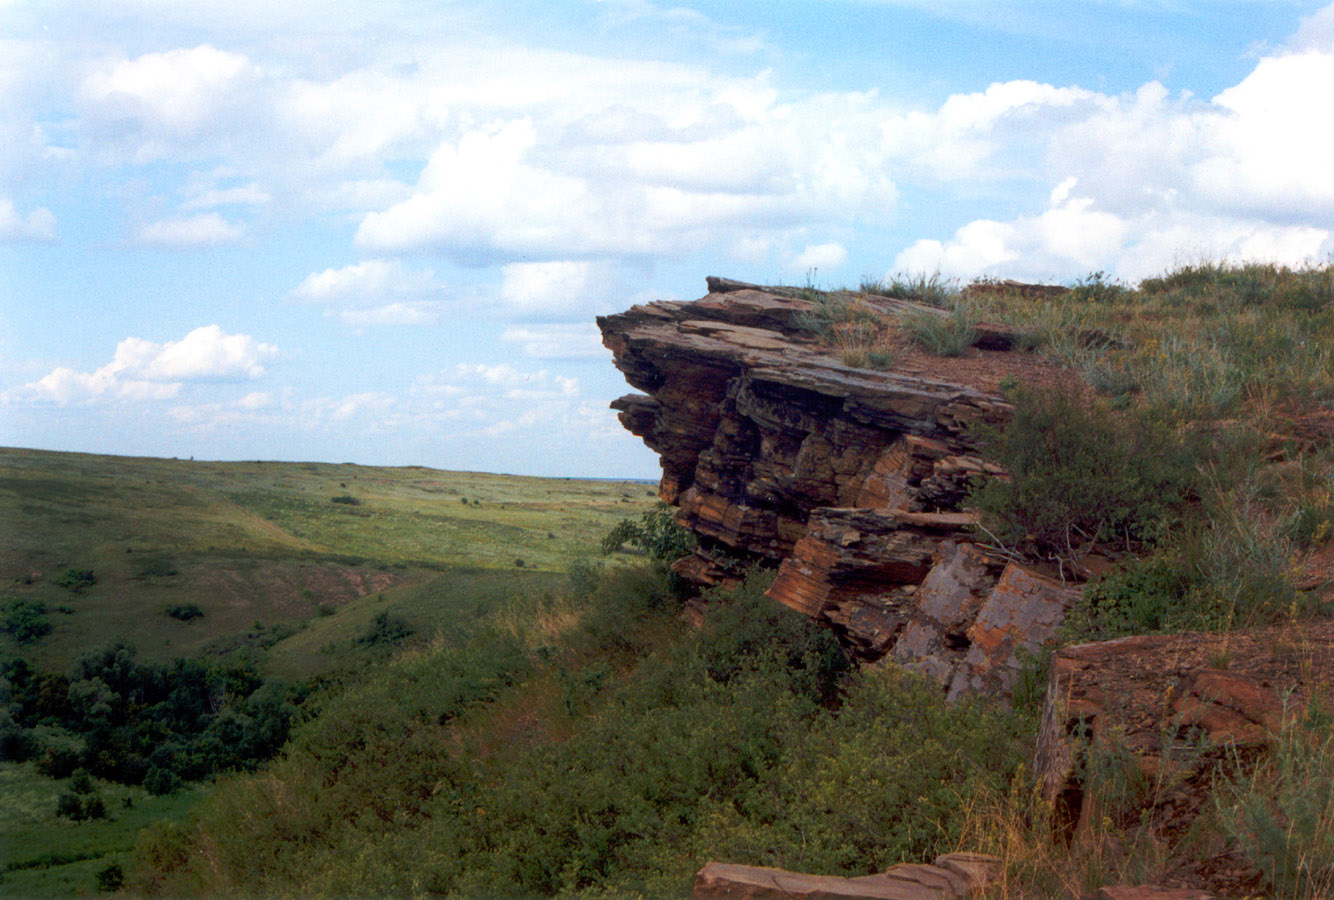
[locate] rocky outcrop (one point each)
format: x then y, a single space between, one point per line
954 876
1174 704
849 480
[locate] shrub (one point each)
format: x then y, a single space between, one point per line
76 580
346 499
110 879
161 781
1097 288
1080 472
656 533
185 611
24 620
1141 597
385 630
80 807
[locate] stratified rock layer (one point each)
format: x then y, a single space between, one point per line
848 480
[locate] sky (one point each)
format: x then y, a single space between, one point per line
380 232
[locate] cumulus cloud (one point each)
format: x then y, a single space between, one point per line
189 232
370 279
161 105
145 370
819 256
548 286
357 293
39 225
1072 237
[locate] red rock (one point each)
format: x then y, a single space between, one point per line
979 869
1020 615
722 881
1151 892
1162 699
849 480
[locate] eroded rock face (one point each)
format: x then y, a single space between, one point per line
849 481
1176 703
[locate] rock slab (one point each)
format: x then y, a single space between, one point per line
954 876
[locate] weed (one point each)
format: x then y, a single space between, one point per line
930 289
943 335
1282 813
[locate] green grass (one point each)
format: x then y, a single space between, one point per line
42 855
264 542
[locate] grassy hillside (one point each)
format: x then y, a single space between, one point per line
262 548
284 570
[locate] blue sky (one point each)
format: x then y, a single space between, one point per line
379 232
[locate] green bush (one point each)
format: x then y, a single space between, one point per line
1141 597
77 580
1080 472
24 620
185 612
656 533
346 500
386 630
110 879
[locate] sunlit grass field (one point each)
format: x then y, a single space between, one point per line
262 546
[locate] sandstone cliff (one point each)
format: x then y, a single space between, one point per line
851 481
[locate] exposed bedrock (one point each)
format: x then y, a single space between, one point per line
850 481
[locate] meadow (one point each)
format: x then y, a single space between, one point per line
294 574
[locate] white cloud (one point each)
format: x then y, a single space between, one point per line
160 105
1072 237
206 230
410 313
356 294
1316 32
549 341
367 280
547 286
39 225
819 256
481 193
144 370
242 195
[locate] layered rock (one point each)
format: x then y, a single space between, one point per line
848 480
953 876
